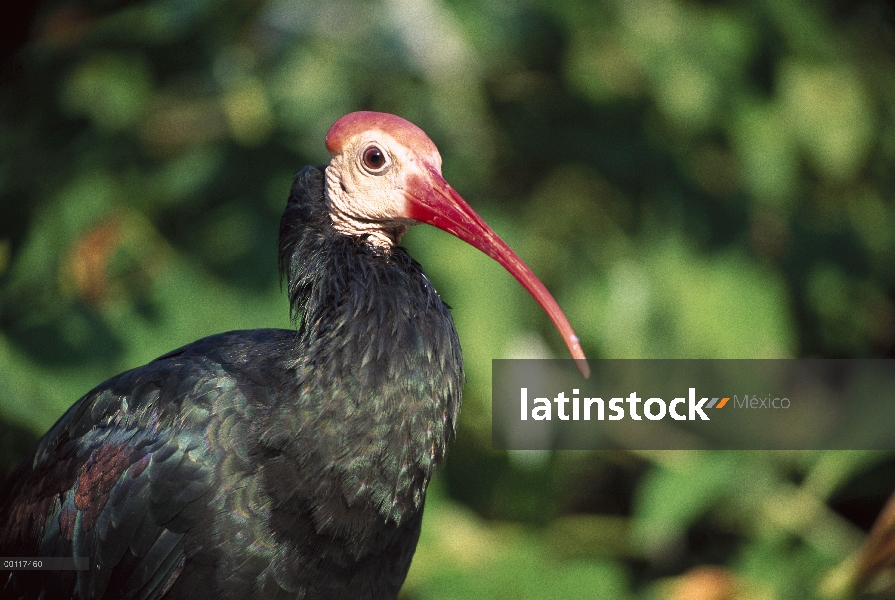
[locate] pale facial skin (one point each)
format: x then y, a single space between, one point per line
385 175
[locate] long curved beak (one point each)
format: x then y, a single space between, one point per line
432 200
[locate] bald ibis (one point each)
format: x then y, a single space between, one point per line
275 463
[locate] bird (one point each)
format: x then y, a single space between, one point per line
275 463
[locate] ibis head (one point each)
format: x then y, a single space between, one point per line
385 175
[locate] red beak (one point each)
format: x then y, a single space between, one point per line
435 202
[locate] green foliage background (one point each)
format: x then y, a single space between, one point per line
690 179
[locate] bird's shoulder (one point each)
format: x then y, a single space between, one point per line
132 466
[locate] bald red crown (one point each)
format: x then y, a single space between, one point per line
416 190
367 122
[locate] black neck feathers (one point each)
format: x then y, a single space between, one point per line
377 365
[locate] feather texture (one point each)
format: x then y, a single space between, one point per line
264 463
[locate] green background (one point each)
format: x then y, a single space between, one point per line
690 179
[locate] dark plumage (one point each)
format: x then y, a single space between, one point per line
267 463
256 463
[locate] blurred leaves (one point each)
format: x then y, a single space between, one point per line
112 91
689 178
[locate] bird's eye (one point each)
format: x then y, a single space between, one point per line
374 160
